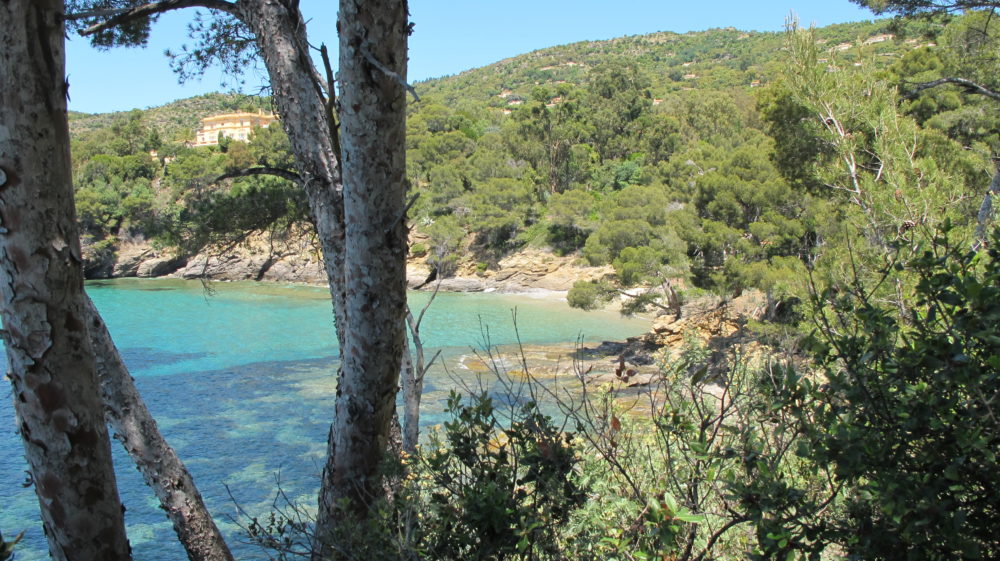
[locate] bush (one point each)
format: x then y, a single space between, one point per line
418 250
907 414
586 295
709 471
497 493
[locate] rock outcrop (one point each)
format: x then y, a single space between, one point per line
719 324
529 270
294 258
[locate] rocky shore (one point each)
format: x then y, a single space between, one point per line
297 260
635 362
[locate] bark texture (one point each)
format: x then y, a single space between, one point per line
281 38
159 464
373 39
50 359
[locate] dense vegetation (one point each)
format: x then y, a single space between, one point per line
657 154
809 165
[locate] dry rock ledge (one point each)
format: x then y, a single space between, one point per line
296 260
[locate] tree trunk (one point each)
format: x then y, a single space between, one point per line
373 38
162 470
986 209
411 403
281 37
414 369
52 367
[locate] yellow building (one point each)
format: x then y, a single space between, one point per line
237 126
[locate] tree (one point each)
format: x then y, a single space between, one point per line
52 368
973 67
925 7
358 210
373 50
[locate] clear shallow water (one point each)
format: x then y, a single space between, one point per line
240 382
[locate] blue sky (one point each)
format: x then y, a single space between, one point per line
449 36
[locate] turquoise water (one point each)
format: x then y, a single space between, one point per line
240 382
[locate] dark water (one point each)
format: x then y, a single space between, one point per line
240 382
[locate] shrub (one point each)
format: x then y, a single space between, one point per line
418 250
497 493
907 414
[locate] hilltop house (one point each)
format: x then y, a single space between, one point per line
236 126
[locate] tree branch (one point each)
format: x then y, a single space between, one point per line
986 210
95 13
262 170
331 108
970 87
145 10
387 71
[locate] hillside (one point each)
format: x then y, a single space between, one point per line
718 59
664 162
712 59
176 120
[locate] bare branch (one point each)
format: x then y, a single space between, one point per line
150 9
970 87
331 107
420 318
95 14
986 210
262 170
402 215
385 70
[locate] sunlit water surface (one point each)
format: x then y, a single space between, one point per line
240 380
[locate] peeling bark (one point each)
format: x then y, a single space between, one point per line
373 127
159 464
49 354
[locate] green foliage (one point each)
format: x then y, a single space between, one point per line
587 295
175 121
247 206
498 492
906 414
418 250
709 471
604 245
570 219
924 7
498 209
594 149
446 236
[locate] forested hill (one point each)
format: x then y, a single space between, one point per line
175 121
712 59
719 160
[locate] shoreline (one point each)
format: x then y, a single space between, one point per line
531 272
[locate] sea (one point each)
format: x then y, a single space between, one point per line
241 380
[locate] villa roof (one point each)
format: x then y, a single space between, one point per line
238 115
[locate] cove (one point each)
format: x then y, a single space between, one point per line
240 380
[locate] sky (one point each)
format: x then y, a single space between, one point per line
450 36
